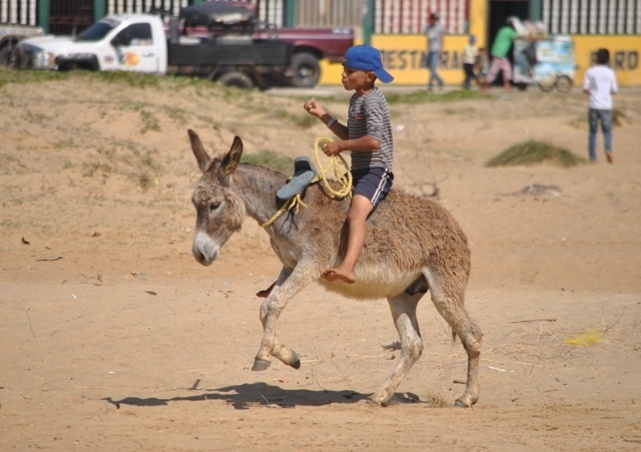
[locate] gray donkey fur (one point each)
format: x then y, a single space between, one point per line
413 245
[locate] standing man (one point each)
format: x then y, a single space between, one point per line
600 84
500 49
434 32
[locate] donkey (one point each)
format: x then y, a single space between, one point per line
413 245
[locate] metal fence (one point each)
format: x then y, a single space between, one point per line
19 12
142 6
329 13
589 17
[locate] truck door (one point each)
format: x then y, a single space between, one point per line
135 49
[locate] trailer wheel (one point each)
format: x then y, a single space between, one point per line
563 84
306 70
236 79
546 86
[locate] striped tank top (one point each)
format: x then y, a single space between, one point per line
369 115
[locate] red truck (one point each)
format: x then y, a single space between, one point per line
310 45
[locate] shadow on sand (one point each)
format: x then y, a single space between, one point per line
250 395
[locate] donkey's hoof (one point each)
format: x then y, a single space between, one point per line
464 401
261 364
370 402
377 400
295 361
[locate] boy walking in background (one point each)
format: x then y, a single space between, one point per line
470 59
600 83
482 66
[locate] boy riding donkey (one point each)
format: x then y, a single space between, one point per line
368 137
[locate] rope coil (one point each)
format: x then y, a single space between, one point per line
344 178
335 162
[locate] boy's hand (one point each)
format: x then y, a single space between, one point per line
314 108
333 148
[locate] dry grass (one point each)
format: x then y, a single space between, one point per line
535 152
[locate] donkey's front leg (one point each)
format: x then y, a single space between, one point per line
270 310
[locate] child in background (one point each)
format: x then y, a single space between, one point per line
482 65
470 56
600 83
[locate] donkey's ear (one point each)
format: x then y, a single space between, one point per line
232 159
199 151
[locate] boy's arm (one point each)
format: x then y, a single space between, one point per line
336 127
362 144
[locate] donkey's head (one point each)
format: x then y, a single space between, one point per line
220 211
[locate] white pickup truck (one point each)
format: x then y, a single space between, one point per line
148 43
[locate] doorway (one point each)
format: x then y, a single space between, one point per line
499 10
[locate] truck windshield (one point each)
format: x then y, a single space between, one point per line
97 31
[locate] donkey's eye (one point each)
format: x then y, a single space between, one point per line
213 206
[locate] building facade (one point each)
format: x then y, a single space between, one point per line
396 26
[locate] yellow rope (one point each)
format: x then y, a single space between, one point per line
335 163
293 202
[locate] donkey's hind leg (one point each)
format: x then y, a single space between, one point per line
403 309
449 301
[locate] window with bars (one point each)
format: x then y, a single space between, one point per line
143 6
410 16
590 17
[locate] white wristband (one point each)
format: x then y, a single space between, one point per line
331 122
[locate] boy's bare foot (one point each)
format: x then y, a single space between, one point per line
608 156
335 273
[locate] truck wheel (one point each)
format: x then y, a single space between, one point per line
236 79
5 52
12 57
306 70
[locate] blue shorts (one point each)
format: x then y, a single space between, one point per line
373 183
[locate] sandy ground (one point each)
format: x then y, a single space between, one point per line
112 337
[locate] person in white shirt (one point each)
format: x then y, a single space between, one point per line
600 83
